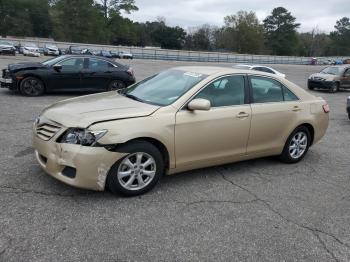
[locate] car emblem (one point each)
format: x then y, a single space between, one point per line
37 121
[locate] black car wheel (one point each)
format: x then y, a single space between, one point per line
32 86
334 88
116 85
297 145
137 172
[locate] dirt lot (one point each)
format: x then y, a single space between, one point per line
260 210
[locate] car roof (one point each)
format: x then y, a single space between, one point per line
93 56
212 70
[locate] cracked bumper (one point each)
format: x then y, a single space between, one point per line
91 163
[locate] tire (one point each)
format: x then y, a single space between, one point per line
301 147
122 173
334 88
32 86
116 85
310 87
349 116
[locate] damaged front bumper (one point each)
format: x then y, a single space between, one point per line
78 166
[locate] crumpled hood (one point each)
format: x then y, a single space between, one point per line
86 110
321 76
25 65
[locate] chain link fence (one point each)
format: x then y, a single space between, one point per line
182 55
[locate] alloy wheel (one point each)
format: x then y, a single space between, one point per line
116 85
32 87
298 145
136 171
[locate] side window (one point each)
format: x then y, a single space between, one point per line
347 72
288 95
266 90
98 64
226 91
72 64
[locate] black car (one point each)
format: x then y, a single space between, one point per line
67 73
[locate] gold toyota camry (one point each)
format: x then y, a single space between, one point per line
180 119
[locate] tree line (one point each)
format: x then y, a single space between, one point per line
101 22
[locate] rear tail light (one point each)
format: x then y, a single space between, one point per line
130 71
326 108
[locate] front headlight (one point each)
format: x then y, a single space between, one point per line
82 137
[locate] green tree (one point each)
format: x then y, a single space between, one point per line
244 33
78 21
108 6
341 37
281 35
25 18
200 38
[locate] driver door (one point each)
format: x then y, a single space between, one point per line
69 77
220 135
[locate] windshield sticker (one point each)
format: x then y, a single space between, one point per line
192 74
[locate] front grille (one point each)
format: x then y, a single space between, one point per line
47 131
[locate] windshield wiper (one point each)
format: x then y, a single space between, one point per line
133 97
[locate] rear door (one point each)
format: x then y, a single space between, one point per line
69 77
275 110
97 75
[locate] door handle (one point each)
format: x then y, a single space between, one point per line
296 109
242 115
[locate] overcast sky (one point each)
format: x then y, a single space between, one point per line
191 13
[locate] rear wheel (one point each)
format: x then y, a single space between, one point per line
297 145
116 85
137 172
334 88
31 86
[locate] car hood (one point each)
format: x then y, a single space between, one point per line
322 76
86 110
30 48
25 65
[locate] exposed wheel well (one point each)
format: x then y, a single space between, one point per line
311 130
159 145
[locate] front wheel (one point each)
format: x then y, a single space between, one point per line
297 145
116 85
137 172
31 86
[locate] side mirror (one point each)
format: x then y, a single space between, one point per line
199 104
58 68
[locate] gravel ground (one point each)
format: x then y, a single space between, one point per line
259 210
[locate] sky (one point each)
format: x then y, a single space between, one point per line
191 13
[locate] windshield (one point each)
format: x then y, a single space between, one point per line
332 70
52 61
165 88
